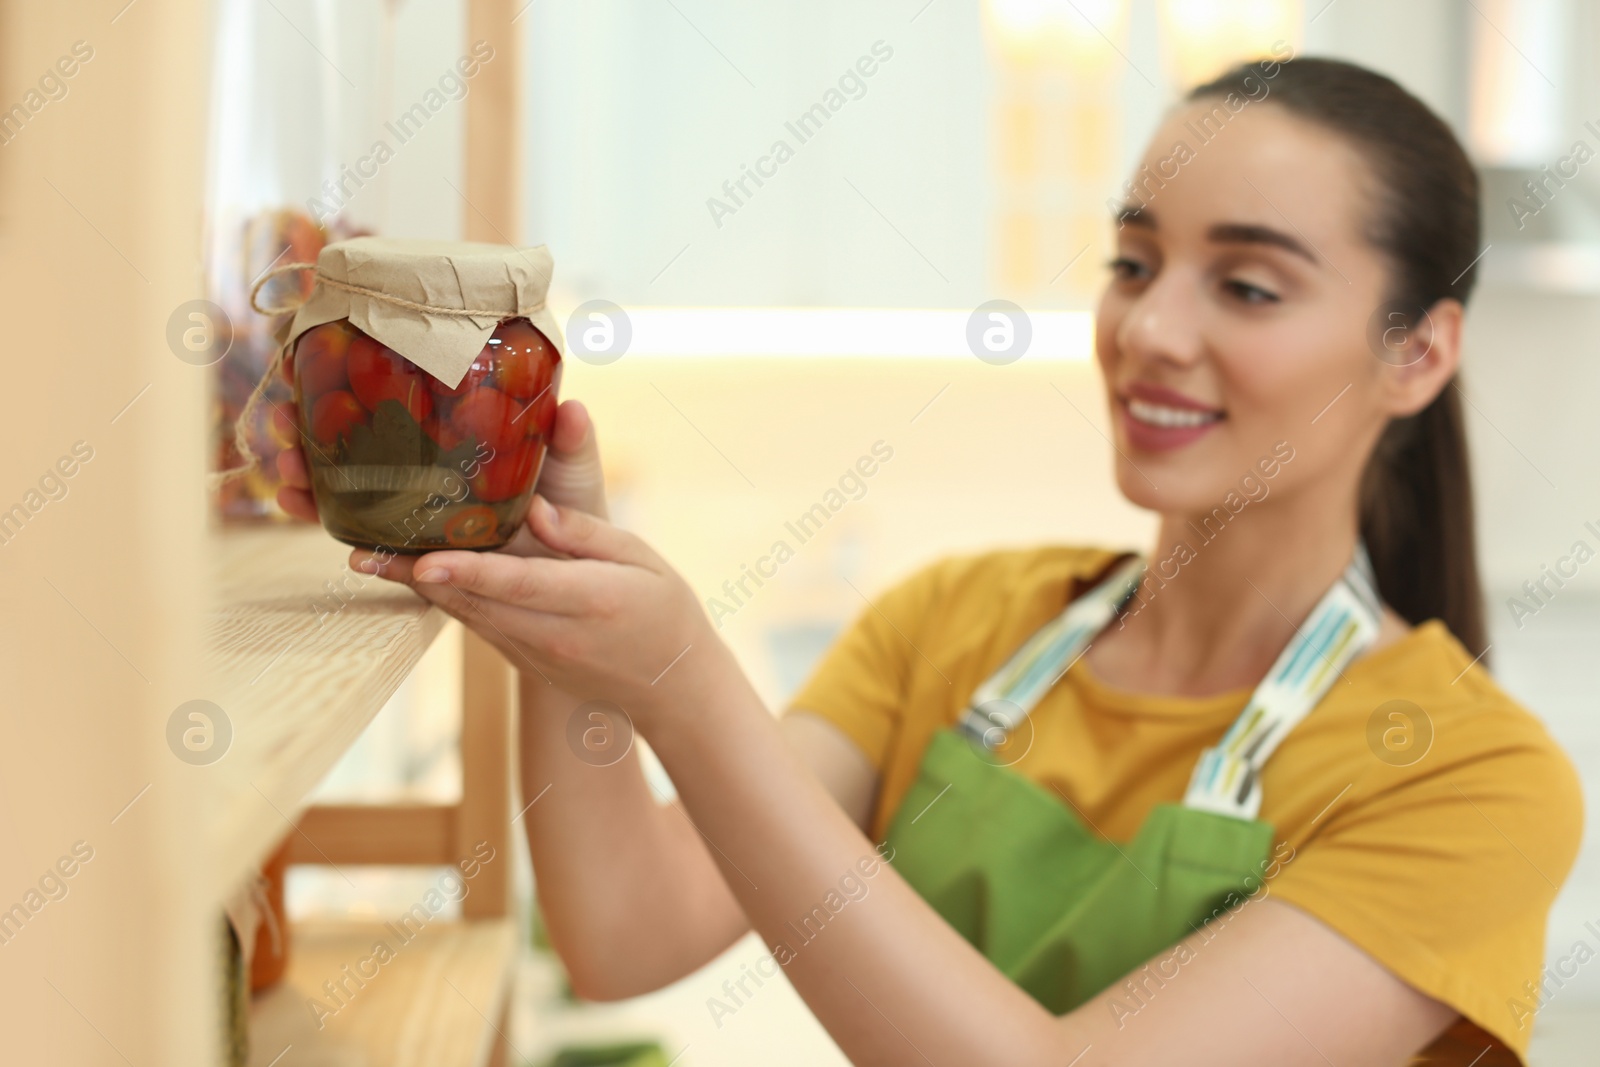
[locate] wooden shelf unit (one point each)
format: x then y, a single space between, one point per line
122 606
298 676
304 652
442 1000
438 1002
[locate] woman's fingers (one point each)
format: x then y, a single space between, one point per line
284 425
572 476
560 587
402 569
579 534
516 631
292 468
572 436
294 495
390 565
298 503
557 587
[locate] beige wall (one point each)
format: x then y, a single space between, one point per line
99 241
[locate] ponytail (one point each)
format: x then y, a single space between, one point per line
1416 492
1417 521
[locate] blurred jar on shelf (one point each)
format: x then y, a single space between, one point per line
284 120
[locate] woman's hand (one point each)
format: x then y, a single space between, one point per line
603 617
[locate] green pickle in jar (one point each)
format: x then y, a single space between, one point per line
401 461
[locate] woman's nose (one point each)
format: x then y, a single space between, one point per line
1164 322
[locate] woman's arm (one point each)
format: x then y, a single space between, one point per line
1272 986
891 981
894 984
627 886
627 889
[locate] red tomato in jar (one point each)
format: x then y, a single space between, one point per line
318 359
443 430
469 527
524 359
540 415
476 375
488 416
378 374
334 414
508 474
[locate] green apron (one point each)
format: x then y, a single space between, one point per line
1060 910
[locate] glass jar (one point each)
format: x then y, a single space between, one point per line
402 462
282 124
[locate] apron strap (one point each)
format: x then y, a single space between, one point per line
1227 777
1000 704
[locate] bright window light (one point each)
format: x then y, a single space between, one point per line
1076 17
1058 31
1204 37
685 332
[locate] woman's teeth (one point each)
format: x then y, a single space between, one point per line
1157 415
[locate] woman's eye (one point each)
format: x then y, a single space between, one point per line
1250 294
1125 269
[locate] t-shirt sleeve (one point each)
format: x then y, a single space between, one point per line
1445 873
860 684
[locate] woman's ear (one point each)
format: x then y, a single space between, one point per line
1421 356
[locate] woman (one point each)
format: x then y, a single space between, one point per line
1256 802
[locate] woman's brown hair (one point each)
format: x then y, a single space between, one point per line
1416 493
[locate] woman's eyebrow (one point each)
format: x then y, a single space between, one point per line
1223 232
1249 233
1134 215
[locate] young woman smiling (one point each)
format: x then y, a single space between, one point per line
1279 815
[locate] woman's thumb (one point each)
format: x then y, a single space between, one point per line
572 476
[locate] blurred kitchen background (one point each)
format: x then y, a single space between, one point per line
973 164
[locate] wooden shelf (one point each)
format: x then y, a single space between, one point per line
439 1002
302 653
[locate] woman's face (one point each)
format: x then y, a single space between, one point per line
1233 332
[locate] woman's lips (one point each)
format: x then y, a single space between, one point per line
1152 426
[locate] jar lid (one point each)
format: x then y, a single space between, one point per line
434 302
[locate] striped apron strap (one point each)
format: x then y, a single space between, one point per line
1227 778
1000 704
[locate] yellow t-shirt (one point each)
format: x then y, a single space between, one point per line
1443 870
